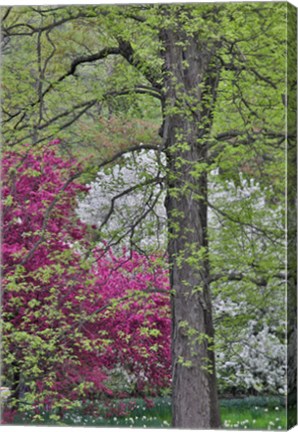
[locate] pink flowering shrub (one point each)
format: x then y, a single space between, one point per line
70 319
136 324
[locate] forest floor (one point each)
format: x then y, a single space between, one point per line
247 413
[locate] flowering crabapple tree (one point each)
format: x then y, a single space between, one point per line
126 201
41 276
71 318
135 327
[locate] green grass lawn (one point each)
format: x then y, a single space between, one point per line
248 413
257 418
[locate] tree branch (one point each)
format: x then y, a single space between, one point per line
238 276
235 68
105 52
155 180
139 89
47 216
128 53
48 27
85 106
267 234
6 13
128 150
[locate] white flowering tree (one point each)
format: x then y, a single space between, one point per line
126 201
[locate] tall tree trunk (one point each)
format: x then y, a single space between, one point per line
194 392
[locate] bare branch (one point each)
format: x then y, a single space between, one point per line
155 180
6 13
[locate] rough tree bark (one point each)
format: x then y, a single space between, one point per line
186 66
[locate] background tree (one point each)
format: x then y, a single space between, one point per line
202 71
